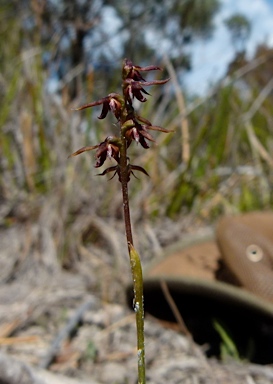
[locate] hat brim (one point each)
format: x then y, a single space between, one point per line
201 302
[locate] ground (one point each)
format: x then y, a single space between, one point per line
68 322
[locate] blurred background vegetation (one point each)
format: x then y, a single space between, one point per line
56 55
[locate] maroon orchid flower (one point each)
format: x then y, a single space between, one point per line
113 102
134 130
134 89
108 148
133 81
133 71
132 126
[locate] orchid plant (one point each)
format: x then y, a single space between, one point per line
132 127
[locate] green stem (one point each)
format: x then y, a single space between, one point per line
139 310
135 264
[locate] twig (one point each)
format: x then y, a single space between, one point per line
175 310
226 82
65 332
182 108
257 145
265 92
13 372
184 329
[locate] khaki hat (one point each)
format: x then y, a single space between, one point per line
206 291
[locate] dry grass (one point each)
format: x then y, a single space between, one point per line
62 233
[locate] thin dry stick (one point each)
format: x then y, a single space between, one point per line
184 328
265 92
127 320
254 141
175 311
182 109
257 145
65 332
226 82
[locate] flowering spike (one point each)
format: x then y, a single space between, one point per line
132 126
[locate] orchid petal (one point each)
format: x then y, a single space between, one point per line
140 169
148 68
105 109
110 169
83 149
147 135
157 128
143 120
98 102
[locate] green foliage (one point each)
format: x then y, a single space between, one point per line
228 348
197 15
177 22
229 166
229 162
63 29
240 28
91 351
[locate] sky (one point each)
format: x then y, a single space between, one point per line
210 58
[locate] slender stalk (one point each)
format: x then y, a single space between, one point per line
124 188
132 128
135 263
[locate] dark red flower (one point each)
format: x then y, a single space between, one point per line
113 102
134 89
133 81
132 71
108 148
134 130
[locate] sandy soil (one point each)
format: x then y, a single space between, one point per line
71 324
